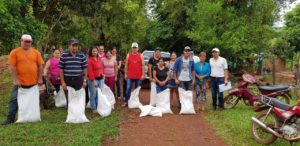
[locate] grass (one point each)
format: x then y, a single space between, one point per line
234 126
52 130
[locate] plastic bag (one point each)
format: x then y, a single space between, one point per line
28 104
104 106
60 98
109 95
150 110
76 106
186 100
153 96
163 101
134 101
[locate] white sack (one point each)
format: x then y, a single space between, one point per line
104 106
28 104
109 94
150 110
60 98
76 106
163 101
186 100
153 96
134 101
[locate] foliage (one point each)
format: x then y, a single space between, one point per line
292 28
239 28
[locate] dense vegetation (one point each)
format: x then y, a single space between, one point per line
241 28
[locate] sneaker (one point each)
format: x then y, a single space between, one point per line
125 104
7 122
95 112
214 108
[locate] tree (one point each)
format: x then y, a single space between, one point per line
292 27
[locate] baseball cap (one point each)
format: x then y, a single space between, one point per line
73 41
26 37
187 48
157 48
134 45
215 50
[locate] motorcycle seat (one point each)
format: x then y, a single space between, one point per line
273 88
279 104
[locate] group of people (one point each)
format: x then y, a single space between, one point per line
75 69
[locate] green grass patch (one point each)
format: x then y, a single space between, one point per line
52 130
234 126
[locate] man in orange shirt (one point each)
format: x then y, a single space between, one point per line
26 65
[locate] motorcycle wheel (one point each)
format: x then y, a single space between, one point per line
284 98
230 101
259 134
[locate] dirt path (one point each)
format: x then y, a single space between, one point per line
169 130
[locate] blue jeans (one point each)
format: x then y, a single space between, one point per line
93 93
214 83
129 83
161 88
13 104
186 85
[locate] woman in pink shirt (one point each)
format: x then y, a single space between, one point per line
110 71
95 75
52 66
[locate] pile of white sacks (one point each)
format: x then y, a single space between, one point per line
29 105
160 103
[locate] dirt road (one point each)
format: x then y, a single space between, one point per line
169 130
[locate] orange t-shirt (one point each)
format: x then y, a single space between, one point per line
26 65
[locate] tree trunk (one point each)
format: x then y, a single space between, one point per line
274 70
281 64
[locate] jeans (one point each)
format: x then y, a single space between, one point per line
129 83
118 84
13 104
161 88
215 82
186 85
93 93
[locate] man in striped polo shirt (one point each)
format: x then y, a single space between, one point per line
73 67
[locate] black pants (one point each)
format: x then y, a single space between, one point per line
74 82
118 84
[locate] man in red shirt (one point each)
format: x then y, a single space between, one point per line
134 70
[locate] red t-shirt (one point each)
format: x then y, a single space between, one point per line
95 68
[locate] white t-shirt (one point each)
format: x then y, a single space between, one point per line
196 59
184 74
218 66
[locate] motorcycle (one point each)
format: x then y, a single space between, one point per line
243 93
275 119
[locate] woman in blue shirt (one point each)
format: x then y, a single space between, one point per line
202 72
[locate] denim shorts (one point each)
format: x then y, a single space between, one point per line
172 84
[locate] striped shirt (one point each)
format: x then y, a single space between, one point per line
73 66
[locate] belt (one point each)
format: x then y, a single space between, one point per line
26 86
216 77
73 77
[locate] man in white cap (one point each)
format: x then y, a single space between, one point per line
26 65
134 70
219 75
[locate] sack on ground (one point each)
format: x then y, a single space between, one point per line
109 95
28 104
76 106
134 101
60 98
153 96
163 101
186 100
104 106
150 110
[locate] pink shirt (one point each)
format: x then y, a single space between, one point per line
109 68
